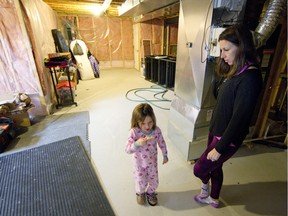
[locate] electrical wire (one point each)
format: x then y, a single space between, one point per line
204 34
154 89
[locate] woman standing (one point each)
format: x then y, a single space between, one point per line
236 100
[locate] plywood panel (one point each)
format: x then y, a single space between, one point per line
146 46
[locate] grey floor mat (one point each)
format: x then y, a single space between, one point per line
53 128
52 179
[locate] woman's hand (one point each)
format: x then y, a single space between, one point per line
213 155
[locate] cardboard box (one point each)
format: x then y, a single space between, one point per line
21 118
20 115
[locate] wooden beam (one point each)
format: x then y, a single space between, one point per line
70 7
278 63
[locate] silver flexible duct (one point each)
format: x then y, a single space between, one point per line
269 22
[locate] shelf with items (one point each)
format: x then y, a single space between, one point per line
64 88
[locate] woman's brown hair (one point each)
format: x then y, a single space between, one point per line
139 114
240 36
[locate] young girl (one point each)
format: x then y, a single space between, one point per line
143 138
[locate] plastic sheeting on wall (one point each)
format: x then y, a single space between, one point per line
26 47
110 39
41 19
17 73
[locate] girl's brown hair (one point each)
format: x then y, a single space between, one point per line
139 114
240 36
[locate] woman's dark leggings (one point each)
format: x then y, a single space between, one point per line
206 169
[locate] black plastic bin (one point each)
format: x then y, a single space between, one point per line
148 68
160 70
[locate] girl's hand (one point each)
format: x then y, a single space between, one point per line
149 138
213 155
141 141
165 160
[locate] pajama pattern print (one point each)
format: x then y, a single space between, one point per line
145 159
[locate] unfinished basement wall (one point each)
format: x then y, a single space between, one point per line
109 39
152 30
25 41
17 69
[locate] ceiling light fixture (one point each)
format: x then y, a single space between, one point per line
100 10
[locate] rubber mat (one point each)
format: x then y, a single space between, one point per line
53 179
62 126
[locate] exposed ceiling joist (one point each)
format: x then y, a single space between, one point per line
82 7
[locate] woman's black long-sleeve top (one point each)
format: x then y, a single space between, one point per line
236 101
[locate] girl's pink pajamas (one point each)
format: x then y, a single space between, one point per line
145 159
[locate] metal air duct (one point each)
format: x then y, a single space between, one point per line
269 22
